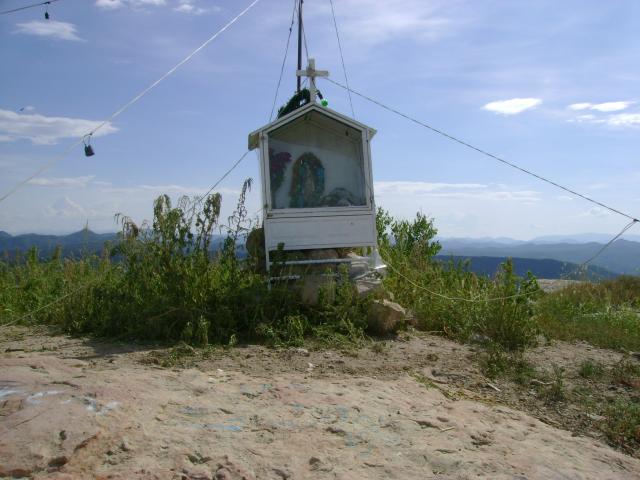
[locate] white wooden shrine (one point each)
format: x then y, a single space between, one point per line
315 166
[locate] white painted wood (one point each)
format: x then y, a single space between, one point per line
254 137
320 232
319 227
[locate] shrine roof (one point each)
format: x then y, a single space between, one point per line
254 137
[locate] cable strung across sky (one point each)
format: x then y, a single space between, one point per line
284 60
128 104
484 152
48 2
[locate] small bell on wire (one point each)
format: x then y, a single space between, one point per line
46 10
46 15
88 149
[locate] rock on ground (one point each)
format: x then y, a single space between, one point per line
385 317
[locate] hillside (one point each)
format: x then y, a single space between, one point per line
622 257
541 268
545 260
74 244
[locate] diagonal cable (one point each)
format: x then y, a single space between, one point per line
306 47
226 174
605 246
484 152
48 2
344 69
129 103
284 60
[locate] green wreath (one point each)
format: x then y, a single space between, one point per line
307 183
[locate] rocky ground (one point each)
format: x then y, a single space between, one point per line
413 407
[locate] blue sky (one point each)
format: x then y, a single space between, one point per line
549 85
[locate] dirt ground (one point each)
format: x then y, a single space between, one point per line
413 407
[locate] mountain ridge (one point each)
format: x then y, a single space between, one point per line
622 257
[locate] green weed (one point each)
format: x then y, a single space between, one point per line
604 314
555 392
496 362
626 372
591 369
622 426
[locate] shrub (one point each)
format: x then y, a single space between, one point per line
163 281
448 298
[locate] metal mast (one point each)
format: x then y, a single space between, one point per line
299 41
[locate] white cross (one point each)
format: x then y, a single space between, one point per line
312 73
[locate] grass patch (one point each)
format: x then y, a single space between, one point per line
555 391
604 314
496 362
626 372
591 369
622 425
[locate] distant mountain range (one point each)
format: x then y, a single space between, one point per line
622 257
546 257
75 244
576 238
541 268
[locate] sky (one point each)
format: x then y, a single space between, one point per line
548 85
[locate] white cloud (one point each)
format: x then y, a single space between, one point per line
414 20
624 120
115 4
75 182
602 107
109 4
512 106
579 106
43 130
615 120
611 106
598 186
596 212
459 191
189 6
49 28
418 188
587 117
66 208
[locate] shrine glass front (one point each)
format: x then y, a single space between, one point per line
315 162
